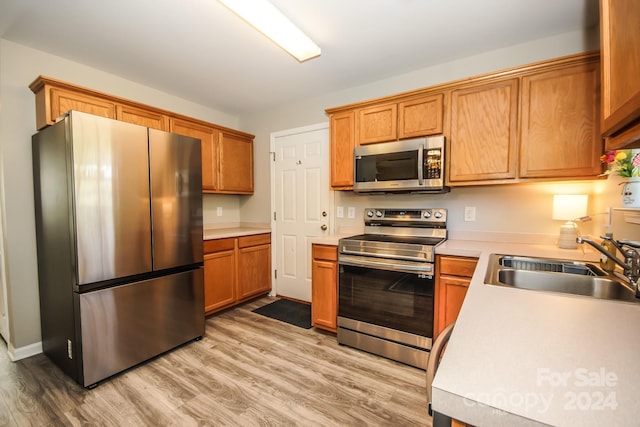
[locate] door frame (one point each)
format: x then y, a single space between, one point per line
272 168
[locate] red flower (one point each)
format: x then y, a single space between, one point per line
609 157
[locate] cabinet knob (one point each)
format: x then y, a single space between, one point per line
323 227
324 213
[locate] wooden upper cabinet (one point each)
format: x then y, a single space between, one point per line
235 155
420 116
142 117
227 154
560 118
377 124
342 143
208 137
484 124
620 42
63 101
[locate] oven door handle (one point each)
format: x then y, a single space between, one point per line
382 264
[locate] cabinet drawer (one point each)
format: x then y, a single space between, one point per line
217 245
456 266
253 240
325 252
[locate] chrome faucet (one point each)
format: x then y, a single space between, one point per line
631 263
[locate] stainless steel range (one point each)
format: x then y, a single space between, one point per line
386 283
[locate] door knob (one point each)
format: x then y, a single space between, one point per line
323 227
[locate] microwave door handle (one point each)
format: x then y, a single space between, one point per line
420 165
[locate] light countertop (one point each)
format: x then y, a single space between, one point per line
521 357
222 233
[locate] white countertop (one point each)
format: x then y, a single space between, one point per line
222 233
521 357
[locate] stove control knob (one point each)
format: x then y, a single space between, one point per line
379 214
427 214
370 214
438 214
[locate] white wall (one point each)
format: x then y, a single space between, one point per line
507 208
19 66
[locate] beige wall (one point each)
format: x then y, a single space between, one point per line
19 66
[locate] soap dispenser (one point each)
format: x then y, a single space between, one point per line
607 263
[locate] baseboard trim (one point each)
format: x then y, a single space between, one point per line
16 354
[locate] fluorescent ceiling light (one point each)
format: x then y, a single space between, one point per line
264 17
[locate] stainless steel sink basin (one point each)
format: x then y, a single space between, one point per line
557 275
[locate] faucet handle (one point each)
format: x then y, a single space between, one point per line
631 243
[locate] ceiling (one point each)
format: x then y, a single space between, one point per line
200 51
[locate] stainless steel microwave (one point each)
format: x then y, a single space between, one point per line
413 165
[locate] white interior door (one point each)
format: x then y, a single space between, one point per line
301 203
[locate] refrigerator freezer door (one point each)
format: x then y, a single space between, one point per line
111 198
128 324
176 192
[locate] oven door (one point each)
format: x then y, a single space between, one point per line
393 294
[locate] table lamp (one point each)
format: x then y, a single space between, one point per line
569 207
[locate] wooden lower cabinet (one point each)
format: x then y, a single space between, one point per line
254 265
324 287
453 276
236 269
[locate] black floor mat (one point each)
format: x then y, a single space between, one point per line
292 312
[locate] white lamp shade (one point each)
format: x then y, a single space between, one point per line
568 207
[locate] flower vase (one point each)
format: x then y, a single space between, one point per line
631 193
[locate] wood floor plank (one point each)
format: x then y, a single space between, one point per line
248 370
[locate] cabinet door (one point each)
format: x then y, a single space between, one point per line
620 40
235 164
484 133
139 116
420 117
63 101
209 145
324 287
453 278
452 291
254 270
377 124
219 280
342 142
560 117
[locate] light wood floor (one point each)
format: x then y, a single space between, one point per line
248 370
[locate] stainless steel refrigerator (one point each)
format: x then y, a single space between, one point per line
119 238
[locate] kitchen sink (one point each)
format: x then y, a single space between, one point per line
557 275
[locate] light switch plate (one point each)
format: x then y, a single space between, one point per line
219 211
470 213
340 212
351 212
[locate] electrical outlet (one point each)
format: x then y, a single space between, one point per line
351 212
219 211
469 213
340 212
